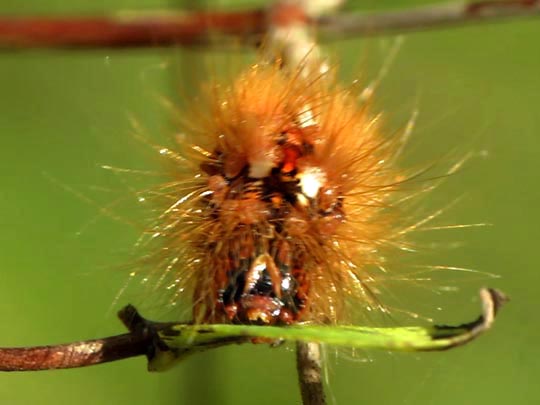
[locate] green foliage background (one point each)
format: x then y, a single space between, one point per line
65 113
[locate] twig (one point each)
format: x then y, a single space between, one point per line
165 343
147 29
308 367
140 341
72 355
129 30
427 17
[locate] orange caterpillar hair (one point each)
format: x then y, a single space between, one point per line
285 204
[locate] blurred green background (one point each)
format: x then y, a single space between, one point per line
63 114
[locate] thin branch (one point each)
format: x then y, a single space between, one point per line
165 343
427 17
129 30
221 29
73 355
141 340
308 366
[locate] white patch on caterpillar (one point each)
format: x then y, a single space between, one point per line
311 181
259 169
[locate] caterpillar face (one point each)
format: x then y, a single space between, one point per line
263 209
288 204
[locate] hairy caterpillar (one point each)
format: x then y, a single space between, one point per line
280 196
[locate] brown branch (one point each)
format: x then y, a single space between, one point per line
127 30
142 340
73 355
308 367
149 338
